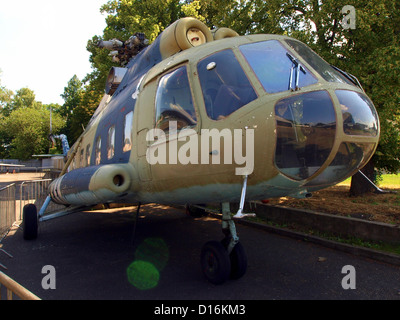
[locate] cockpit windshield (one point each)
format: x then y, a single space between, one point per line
325 70
275 67
225 86
305 128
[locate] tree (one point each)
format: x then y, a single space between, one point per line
28 129
371 51
5 96
25 124
88 102
71 96
126 17
24 97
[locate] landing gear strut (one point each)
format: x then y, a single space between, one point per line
226 259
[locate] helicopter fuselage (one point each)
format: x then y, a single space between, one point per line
189 127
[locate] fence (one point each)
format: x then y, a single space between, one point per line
12 201
35 192
7 208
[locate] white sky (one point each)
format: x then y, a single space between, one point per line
43 43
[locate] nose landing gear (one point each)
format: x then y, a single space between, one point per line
227 259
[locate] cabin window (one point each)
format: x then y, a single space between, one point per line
174 103
111 142
87 155
225 86
98 151
274 66
81 159
305 131
128 132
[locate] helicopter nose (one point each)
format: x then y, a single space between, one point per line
324 137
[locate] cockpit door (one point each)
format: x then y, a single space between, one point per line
145 119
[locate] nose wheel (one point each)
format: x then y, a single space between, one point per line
227 259
215 262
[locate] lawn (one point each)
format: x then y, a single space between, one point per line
337 200
390 181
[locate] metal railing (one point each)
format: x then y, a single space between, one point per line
35 192
7 208
12 201
15 288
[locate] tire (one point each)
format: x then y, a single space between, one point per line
238 262
215 262
30 222
238 259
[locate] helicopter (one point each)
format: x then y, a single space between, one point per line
202 116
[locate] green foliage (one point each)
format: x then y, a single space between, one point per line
371 51
25 124
80 102
24 97
26 131
88 102
71 96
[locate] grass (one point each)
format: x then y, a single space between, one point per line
390 181
382 208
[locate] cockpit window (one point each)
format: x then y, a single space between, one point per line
174 101
349 157
305 128
225 86
359 116
324 69
275 67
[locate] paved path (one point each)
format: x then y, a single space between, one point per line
93 256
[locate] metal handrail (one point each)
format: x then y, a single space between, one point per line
10 185
14 287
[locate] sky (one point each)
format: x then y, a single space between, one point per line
43 43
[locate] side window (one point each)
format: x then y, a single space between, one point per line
174 101
81 161
127 146
110 142
98 151
225 86
87 155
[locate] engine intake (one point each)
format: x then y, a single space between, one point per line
92 185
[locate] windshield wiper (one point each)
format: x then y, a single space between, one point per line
349 76
295 71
